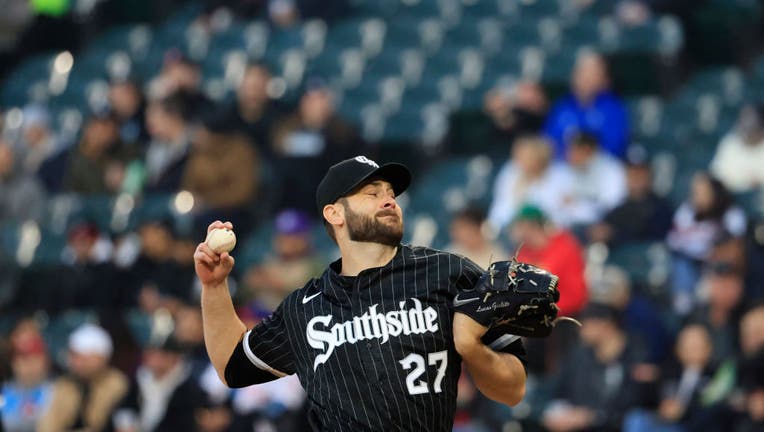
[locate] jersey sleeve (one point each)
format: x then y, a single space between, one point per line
500 341
468 275
263 354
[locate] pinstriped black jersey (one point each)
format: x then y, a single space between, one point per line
375 351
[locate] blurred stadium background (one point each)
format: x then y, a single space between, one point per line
634 128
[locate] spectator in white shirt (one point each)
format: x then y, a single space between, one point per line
599 181
740 156
530 177
707 216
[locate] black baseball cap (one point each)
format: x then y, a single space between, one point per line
347 175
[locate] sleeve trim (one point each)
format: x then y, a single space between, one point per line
500 343
255 360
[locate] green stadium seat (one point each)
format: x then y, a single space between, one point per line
134 39
19 82
635 259
139 325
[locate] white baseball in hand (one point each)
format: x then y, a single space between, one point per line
221 240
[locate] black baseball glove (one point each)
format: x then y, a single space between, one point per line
520 298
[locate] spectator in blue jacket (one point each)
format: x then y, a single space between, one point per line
590 107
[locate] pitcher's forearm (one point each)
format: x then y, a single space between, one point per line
499 376
222 327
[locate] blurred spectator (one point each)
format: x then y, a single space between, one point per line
590 107
468 238
38 141
532 177
308 142
598 184
254 110
642 319
157 277
293 262
752 330
740 154
221 161
127 104
555 250
21 195
86 394
752 379
704 218
27 395
642 215
724 287
189 334
97 164
681 407
167 152
276 405
509 112
605 382
736 387
83 278
183 77
164 396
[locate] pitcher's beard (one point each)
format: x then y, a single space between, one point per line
371 229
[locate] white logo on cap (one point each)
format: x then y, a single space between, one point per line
367 161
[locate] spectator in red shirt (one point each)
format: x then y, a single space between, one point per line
553 249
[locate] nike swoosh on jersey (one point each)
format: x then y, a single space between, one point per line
458 302
309 298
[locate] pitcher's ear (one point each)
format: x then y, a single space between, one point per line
333 214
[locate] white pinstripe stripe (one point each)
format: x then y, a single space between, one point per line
256 361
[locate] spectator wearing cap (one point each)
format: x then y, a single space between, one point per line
642 215
254 111
708 215
164 396
27 395
598 183
86 394
167 152
605 382
307 142
555 250
292 261
530 176
740 154
96 165
22 196
469 239
222 172
590 107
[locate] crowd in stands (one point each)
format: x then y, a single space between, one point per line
686 357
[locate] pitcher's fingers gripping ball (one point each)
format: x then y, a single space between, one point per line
221 240
518 297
